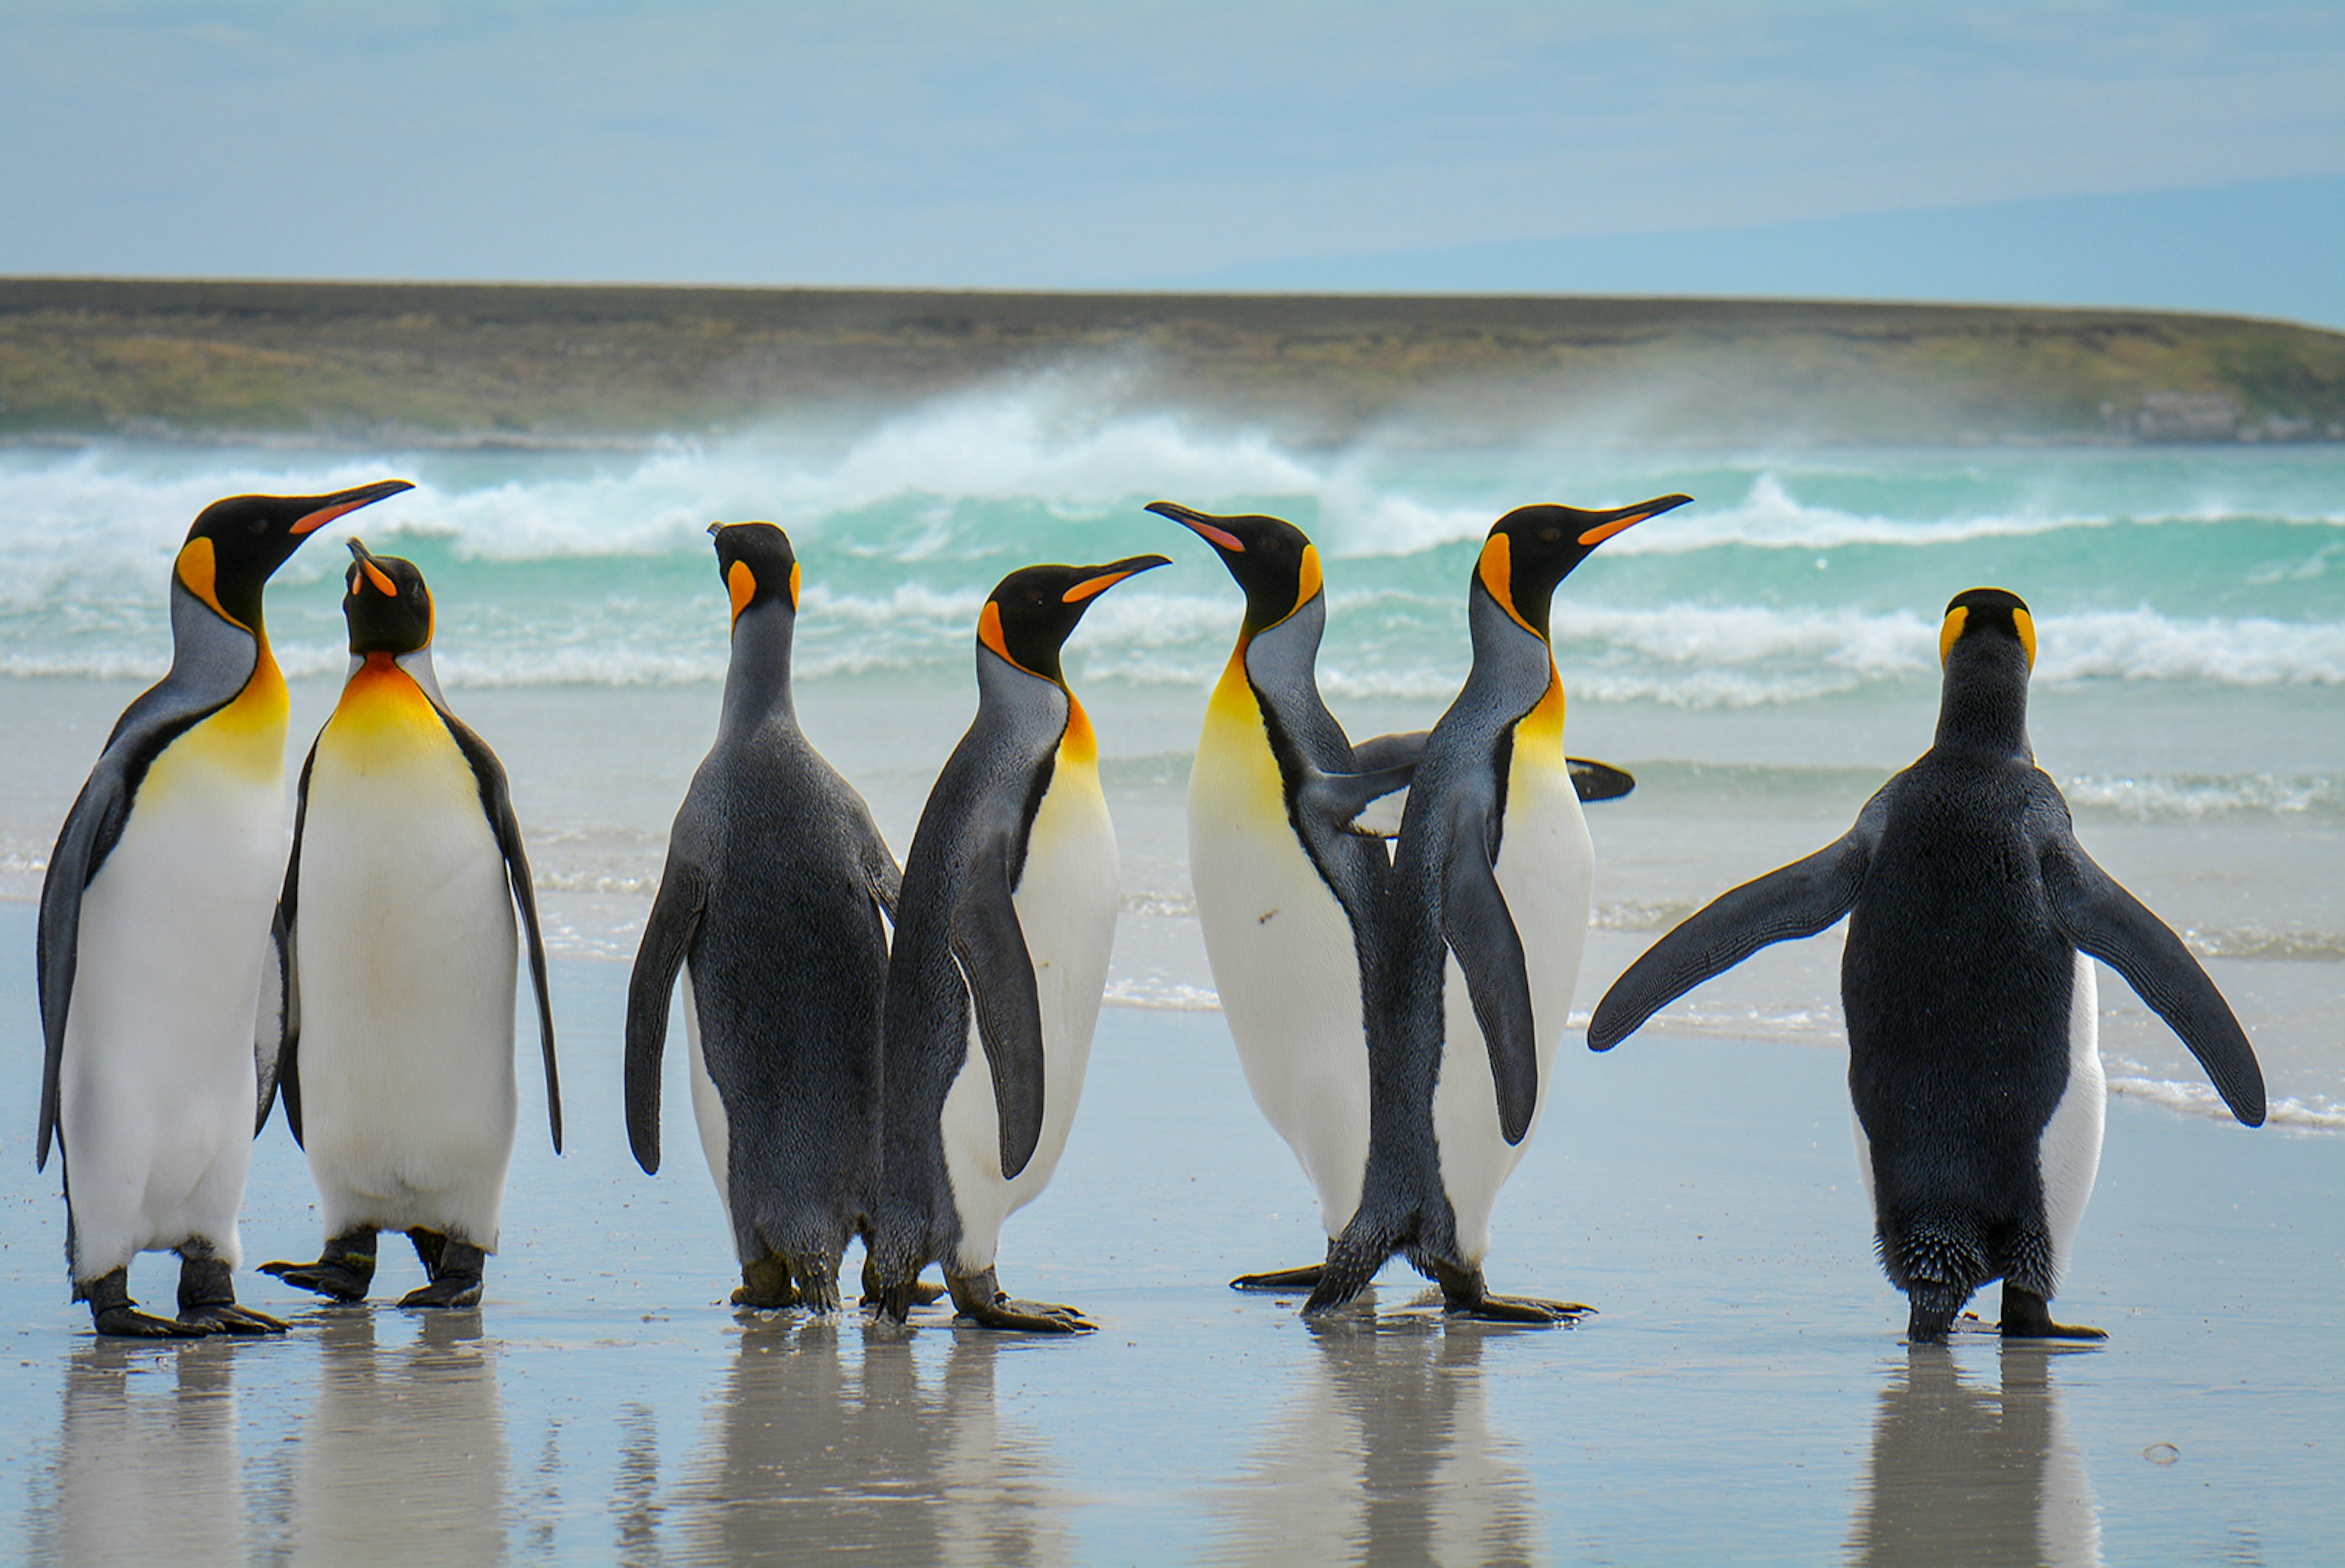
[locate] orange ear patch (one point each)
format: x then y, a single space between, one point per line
1497 570
988 631
741 583
1308 579
795 576
198 570
1951 632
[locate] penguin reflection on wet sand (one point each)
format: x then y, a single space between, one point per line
1964 1474
1000 956
160 989
1488 915
1974 1067
1287 887
769 910
397 1066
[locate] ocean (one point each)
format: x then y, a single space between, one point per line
1761 658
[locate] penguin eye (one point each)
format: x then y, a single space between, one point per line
259 525
1550 535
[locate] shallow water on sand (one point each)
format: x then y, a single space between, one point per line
1741 1388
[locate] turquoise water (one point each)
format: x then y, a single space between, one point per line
1762 658
1792 576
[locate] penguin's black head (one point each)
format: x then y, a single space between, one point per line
1031 612
387 606
1987 618
758 564
1532 548
237 544
1271 559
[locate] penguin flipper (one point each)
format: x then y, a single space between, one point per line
880 872
1368 804
1481 931
90 830
990 947
1382 752
268 1025
2094 911
283 1078
668 940
496 800
1792 901
1598 780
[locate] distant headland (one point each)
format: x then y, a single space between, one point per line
428 364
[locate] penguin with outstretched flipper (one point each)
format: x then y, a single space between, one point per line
1288 894
402 956
1974 915
1000 960
162 991
1483 932
770 912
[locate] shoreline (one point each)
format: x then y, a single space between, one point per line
1742 1370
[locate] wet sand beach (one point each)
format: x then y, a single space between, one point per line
1742 1381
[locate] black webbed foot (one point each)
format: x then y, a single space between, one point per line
980 1298
918 1293
228 1318
766 1285
1464 1294
207 1297
114 1314
1526 1310
455 1268
344 1272
1307 1278
2028 1316
1933 1309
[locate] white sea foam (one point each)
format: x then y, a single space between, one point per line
2313 1111
2151 797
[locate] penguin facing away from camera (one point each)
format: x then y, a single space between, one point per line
770 912
161 989
1288 894
1489 913
1974 915
397 1066
1000 960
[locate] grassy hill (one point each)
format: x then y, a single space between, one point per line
492 364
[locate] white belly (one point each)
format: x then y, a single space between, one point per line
407 955
1066 903
1546 866
157 1084
709 1107
2070 1157
1283 963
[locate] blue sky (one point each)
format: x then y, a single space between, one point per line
2187 155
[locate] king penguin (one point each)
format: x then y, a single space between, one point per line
1973 916
1287 884
161 989
1000 960
1489 913
397 1068
770 909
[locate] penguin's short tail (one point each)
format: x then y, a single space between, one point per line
1925 1250
1353 1259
